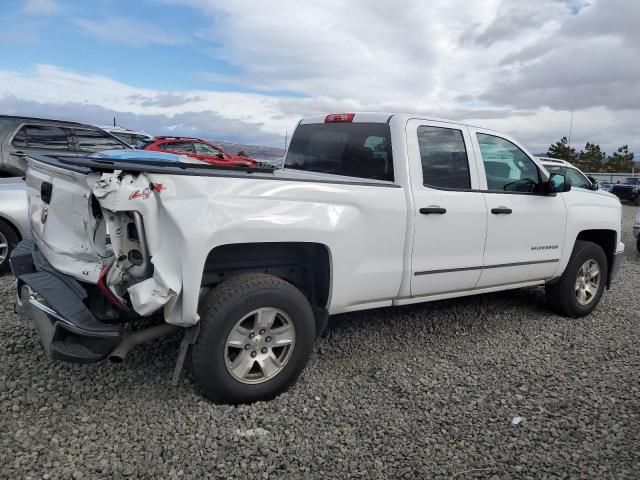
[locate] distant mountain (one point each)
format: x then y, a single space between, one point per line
257 152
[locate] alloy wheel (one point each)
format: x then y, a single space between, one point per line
587 282
259 345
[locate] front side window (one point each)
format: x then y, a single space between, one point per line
444 158
47 137
204 149
352 149
507 168
89 140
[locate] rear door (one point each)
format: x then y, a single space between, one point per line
525 229
450 216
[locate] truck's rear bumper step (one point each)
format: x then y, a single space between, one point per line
67 329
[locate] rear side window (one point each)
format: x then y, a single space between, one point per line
444 158
180 147
47 137
353 149
95 141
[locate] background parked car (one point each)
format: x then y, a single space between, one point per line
14 219
578 179
196 148
629 190
636 230
21 136
606 186
130 137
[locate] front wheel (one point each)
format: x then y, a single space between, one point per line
256 335
580 288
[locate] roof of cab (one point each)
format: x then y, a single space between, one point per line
385 117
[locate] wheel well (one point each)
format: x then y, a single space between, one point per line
605 238
305 265
12 226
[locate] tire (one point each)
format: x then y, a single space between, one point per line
638 245
8 240
563 295
636 201
222 323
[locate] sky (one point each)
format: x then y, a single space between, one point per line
247 71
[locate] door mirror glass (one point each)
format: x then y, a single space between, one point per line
559 183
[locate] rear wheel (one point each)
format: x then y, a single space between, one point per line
257 332
8 240
580 288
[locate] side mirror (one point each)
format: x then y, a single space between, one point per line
594 183
559 183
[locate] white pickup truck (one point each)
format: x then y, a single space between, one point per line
371 210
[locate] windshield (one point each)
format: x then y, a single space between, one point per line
633 181
143 143
352 149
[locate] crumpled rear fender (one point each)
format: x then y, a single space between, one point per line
125 192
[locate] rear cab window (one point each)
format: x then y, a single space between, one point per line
360 150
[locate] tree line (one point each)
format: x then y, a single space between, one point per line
592 158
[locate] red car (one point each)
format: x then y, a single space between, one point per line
196 148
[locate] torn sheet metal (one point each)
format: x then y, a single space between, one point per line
149 296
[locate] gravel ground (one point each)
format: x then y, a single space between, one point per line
427 391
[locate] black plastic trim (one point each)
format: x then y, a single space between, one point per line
486 267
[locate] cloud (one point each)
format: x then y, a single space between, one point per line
58 93
519 66
41 7
203 124
130 32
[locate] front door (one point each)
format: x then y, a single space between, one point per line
449 213
525 229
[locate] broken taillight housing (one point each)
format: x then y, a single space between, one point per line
107 292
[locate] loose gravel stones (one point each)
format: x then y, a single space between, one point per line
427 391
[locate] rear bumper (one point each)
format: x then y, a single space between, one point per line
54 303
